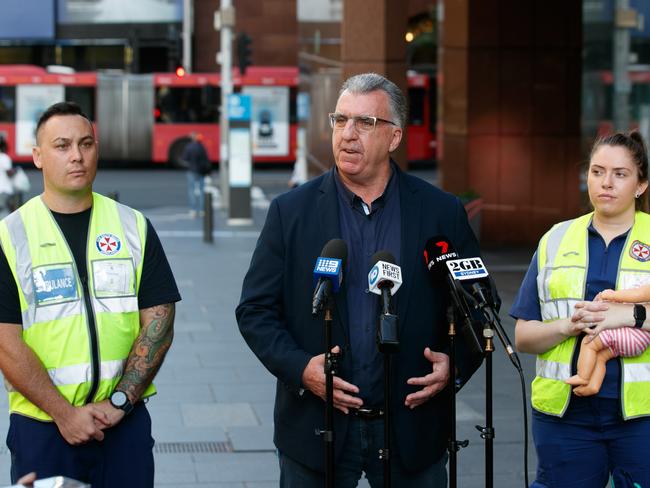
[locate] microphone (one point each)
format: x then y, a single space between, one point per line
437 251
384 274
384 279
470 277
328 273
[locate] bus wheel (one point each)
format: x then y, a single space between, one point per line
174 156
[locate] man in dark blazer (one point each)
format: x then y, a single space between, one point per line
372 205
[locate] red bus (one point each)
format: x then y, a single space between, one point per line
148 118
421 130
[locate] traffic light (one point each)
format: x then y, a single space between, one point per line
244 52
180 71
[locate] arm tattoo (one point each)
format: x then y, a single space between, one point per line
148 350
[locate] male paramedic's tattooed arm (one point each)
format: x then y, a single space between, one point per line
149 349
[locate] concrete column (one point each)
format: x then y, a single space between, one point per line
510 76
372 39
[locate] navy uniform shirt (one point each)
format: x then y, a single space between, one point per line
366 231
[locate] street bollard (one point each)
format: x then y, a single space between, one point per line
207 218
113 195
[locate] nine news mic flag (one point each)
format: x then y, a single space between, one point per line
384 279
328 272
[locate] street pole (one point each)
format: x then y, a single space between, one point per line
225 22
624 20
188 18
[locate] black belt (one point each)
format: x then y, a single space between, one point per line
367 413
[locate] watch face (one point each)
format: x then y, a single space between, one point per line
639 312
119 398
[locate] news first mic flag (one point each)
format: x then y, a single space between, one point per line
381 272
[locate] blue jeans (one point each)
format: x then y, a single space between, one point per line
123 458
578 454
360 454
195 191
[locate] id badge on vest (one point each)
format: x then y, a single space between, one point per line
54 284
113 278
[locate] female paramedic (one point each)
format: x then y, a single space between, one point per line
582 441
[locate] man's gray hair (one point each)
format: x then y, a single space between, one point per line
369 82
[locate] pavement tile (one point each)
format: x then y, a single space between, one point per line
258 392
466 413
205 375
200 392
218 415
195 326
258 438
254 374
264 412
241 467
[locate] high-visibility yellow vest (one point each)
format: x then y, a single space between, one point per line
52 303
562 261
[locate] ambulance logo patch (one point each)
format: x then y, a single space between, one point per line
640 251
108 244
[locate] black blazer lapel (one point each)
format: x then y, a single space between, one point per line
327 207
410 213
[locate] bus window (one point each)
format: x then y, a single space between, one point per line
416 106
187 105
84 96
7 104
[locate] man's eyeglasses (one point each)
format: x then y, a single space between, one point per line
362 123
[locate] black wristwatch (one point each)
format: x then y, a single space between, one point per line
120 400
639 315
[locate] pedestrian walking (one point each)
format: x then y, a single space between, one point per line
198 166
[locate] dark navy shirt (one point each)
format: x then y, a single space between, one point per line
601 274
366 231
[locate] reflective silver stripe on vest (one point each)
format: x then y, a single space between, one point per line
33 314
558 308
132 236
115 305
632 278
552 370
552 247
82 373
636 372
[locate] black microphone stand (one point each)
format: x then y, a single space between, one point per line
331 369
492 324
454 445
388 343
487 431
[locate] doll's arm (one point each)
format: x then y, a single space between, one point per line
635 295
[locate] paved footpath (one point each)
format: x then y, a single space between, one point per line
213 415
